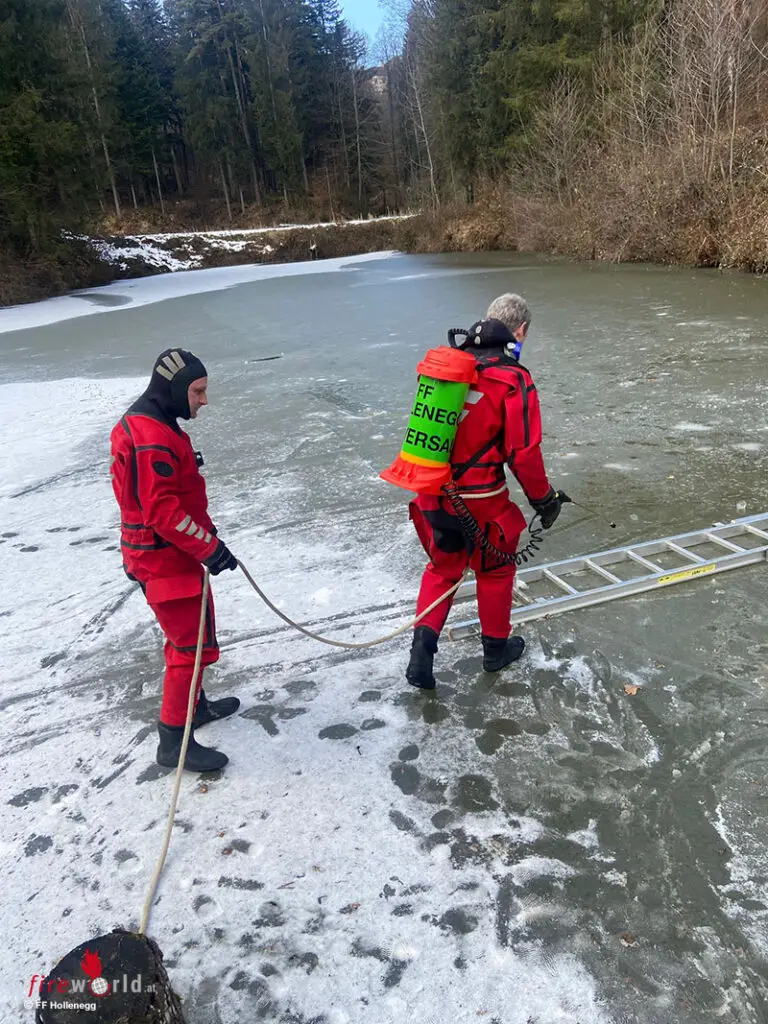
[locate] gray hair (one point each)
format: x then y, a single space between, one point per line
511 309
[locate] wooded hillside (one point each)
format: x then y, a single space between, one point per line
618 128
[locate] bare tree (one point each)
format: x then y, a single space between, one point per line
559 136
714 63
386 49
77 23
415 82
632 89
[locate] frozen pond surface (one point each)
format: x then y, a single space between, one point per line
536 847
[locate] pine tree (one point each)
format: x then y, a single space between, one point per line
44 172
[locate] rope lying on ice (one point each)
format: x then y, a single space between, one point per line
343 643
193 691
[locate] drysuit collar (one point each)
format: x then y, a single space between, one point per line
496 356
492 336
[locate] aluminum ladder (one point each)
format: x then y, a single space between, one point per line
542 591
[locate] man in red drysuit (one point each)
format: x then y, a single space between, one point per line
167 537
500 424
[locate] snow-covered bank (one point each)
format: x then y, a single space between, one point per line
87 261
190 250
142 291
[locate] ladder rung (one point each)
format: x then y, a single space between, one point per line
644 561
601 571
757 533
687 554
558 582
724 543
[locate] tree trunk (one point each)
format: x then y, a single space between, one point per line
330 194
422 125
230 177
302 156
236 85
157 179
77 25
343 138
357 143
176 173
226 192
268 61
110 172
392 135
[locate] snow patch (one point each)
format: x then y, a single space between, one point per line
249 232
535 867
122 255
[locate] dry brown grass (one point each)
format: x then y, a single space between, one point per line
622 208
188 215
206 214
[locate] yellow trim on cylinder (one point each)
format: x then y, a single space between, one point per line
417 460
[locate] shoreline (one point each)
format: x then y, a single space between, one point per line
494 224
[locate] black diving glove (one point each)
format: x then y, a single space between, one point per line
549 506
221 559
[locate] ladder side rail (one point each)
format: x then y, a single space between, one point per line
716 535
601 595
748 523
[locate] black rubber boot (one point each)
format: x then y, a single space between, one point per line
498 653
198 759
212 710
423 651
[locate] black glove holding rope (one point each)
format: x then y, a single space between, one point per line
548 507
221 559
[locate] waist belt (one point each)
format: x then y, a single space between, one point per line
484 494
156 541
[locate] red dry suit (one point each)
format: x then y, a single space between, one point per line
166 533
500 424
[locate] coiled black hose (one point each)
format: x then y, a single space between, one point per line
472 531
